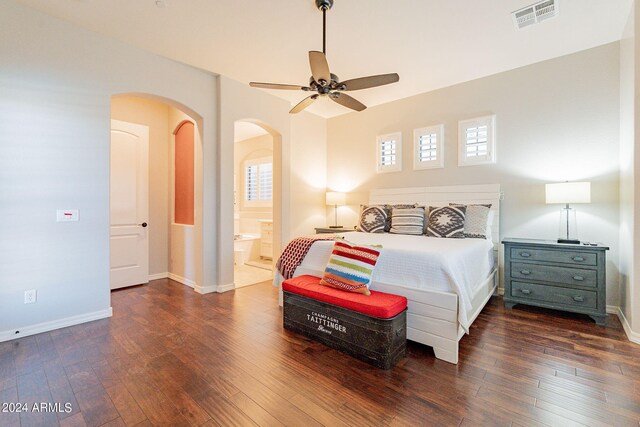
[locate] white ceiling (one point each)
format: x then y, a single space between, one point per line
430 43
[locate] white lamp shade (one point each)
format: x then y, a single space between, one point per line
568 192
336 199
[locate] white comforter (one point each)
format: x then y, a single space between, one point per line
449 265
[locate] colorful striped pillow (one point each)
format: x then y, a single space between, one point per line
350 267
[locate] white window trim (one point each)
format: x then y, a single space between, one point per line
256 203
463 125
429 164
397 166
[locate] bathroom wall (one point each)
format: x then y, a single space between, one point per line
246 218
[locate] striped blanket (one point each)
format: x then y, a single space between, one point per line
295 252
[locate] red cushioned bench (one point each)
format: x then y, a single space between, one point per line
372 328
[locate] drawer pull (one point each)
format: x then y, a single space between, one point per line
578 258
578 298
525 291
578 278
525 272
525 254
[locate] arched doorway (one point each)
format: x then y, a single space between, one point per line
174 236
256 207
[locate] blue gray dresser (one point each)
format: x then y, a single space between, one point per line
556 275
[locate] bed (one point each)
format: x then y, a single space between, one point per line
447 281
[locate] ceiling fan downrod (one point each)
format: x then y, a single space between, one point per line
324 5
324 82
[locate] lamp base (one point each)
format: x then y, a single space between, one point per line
335 226
569 241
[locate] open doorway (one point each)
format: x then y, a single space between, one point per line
254 194
163 182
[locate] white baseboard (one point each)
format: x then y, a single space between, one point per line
633 336
158 276
201 289
225 288
206 289
613 309
188 282
54 324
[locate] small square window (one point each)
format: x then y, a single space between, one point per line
428 147
476 141
389 152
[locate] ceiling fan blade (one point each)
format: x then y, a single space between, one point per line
303 104
319 66
278 86
371 81
347 101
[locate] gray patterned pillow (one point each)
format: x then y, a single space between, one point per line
446 221
475 221
373 219
407 221
389 209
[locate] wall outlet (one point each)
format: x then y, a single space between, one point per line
30 296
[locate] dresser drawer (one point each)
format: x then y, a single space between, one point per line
554 295
565 257
555 274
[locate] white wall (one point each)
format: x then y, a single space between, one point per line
299 149
56 83
556 120
629 162
636 187
308 173
155 115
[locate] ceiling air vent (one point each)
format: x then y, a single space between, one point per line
535 13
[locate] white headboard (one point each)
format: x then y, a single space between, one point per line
442 196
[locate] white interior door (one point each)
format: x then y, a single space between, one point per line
129 237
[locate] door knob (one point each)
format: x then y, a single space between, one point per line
144 224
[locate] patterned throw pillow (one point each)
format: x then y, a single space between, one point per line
476 220
373 219
390 208
407 221
446 221
350 267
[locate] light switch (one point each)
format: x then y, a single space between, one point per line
66 215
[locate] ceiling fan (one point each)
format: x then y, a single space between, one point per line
326 83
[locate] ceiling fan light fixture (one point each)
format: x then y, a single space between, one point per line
324 81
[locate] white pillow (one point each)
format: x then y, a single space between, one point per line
477 222
490 219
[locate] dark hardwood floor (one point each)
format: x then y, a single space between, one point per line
170 356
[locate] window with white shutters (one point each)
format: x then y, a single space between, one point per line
428 147
258 182
389 152
251 183
476 139
265 180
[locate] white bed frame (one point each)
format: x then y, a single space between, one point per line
432 316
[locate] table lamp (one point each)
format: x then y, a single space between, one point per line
336 199
567 193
